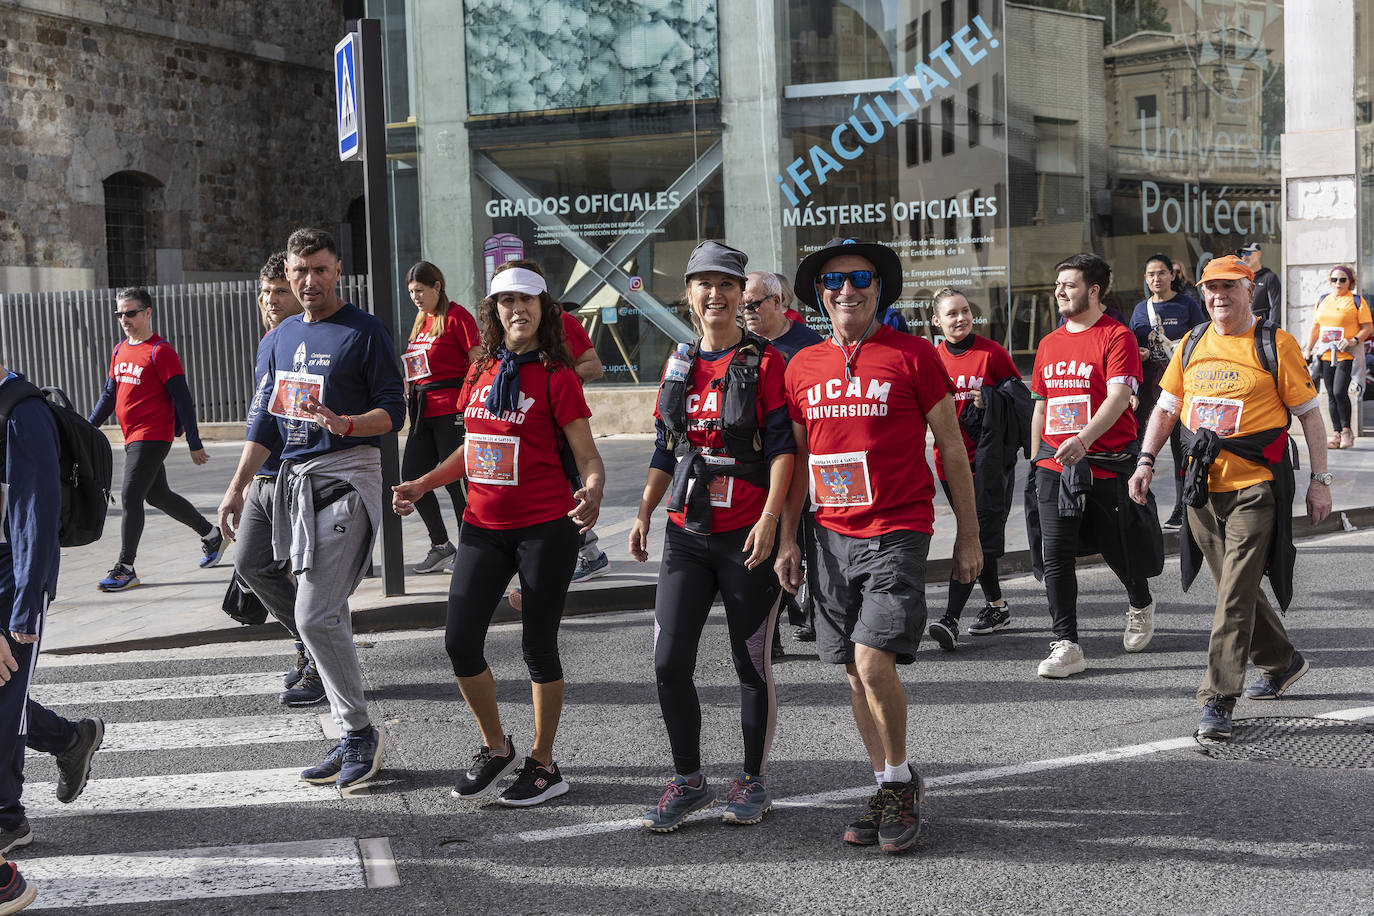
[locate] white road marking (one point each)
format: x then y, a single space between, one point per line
159 689
183 792
194 733
378 862
817 799
310 866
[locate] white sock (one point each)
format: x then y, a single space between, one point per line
878 777
899 773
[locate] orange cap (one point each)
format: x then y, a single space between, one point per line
1228 267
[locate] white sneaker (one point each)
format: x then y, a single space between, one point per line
1140 627
1066 657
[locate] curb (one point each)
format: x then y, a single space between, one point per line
433 613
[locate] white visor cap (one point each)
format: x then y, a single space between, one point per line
518 280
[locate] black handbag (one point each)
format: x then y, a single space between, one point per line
241 604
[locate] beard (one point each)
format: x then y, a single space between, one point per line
1073 308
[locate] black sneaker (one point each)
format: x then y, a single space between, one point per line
327 770
1273 686
1216 717
21 834
15 892
945 631
804 633
307 691
901 823
362 756
293 674
991 619
864 831
534 783
213 549
486 769
74 764
1175 520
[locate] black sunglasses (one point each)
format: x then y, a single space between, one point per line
752 305
130 313
861 279
1338 279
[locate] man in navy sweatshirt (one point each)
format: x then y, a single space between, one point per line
333 389
30 499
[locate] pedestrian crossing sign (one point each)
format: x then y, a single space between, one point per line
348 98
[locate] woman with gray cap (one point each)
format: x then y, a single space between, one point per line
724 445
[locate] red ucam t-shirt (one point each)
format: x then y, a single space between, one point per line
515 475
441 354
985 362
142 405
579 341
1071 374
866 434
735 503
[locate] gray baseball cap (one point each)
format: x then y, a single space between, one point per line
714 256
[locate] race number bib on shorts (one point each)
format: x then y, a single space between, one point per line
1220 415
417 364
291 390
720 489
840 480
1067 415
493 460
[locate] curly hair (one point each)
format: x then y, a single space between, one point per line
553 343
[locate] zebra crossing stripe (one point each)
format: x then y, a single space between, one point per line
303 866
183 791
157 689
174 734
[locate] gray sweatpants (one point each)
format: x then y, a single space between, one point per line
342 535
253 559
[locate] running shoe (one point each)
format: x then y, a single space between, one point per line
307 691
1175 520
487 768
293 674
534 783
1273 686
901 823
1216 717
945 631
21 834
15 892
362 756
804 633
118 578
439 556
680 799
74 764
1065 658
590 569
864 831
746 801
327 770
214 548
1140 627
991 619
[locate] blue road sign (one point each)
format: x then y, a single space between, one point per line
348 98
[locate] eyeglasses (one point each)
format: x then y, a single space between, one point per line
1340 280
130 313
752 305
860 279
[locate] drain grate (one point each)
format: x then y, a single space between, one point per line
1297 741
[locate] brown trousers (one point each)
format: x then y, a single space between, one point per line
1234 531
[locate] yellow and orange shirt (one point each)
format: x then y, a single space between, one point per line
1338 316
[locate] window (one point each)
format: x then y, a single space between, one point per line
947 127
974 120
1056 147
927 144
126 229
946 20
1146 111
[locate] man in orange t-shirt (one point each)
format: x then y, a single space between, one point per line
1225 391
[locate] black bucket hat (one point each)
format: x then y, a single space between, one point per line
888 265
713 256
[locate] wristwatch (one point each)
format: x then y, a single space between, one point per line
1324 478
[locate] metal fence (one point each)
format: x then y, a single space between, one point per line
65 339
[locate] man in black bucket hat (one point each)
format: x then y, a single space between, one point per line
858 402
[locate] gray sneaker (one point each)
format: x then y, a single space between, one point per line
747 800
438 557
680 799
21 834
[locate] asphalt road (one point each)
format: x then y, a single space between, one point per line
1033 803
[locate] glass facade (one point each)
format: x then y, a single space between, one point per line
983 140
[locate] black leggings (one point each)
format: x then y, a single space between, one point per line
695 567
429 443
1336 378
1059 544
145 480
992 585
544 556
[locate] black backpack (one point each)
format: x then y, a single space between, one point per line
85 464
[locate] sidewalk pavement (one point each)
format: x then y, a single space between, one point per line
179 603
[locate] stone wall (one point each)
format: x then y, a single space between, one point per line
226 108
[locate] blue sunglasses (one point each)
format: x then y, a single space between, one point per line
861 279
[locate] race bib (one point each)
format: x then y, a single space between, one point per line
1220 415
290 391
720 489
1067 415
493 460
417 364
840 480
1330 334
